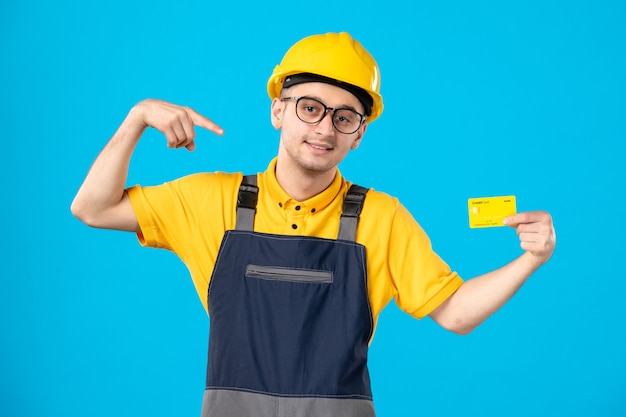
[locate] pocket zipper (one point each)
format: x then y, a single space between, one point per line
289 274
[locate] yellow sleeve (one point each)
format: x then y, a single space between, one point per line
402 263
421 279
167 213
188 216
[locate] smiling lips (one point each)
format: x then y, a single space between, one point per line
320 146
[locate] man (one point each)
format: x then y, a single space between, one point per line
279 259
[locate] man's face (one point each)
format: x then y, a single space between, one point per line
314 147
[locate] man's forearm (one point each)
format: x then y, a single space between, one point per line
100 199
480 297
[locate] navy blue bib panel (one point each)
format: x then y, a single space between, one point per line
290 323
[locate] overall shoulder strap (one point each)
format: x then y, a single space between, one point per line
246 203
352 206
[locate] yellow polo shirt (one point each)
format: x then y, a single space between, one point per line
190 215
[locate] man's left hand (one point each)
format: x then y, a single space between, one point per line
536 233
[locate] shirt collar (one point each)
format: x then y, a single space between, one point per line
316 203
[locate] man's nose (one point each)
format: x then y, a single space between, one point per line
326 124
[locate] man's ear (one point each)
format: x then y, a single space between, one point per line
277 113
360 133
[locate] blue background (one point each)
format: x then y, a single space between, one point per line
482 98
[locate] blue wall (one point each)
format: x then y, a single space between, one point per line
482 98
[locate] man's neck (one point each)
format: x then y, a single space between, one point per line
302 184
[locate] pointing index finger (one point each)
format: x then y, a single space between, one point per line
200 120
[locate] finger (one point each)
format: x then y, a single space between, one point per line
531 237
187 125
526 217
540 247
204 122
536 227
536 237
177 127
171 137
183 134
191 146
533 247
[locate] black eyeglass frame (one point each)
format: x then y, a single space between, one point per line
326 109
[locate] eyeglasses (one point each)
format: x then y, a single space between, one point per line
313 111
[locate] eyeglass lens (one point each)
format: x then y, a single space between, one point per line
310 110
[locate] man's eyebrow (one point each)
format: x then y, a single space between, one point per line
344 106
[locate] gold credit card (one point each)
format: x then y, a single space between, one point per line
490 211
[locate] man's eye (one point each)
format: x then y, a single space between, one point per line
344 118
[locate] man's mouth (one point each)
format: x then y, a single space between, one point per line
321 147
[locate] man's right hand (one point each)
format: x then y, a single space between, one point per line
177 123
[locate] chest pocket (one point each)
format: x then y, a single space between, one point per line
310 276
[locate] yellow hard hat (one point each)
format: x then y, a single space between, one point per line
336 56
